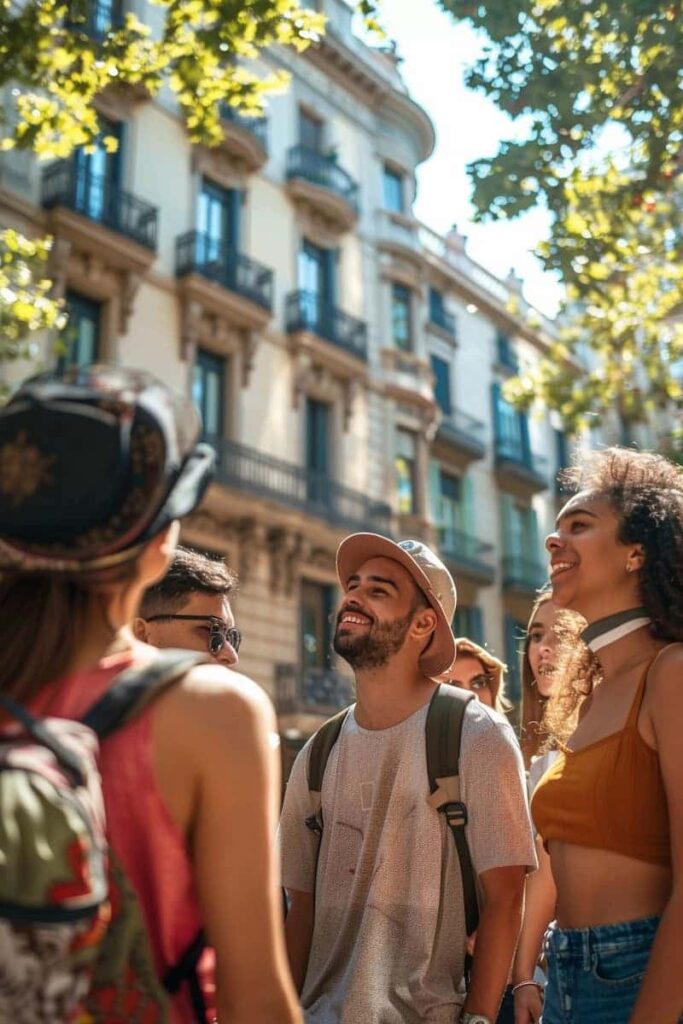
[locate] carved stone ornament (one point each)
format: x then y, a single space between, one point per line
284 549
220 165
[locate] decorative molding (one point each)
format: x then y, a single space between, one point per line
222 165
284 549
317 204
316 379
220 320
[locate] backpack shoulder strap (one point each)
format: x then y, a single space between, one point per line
443 738
318 756
137 687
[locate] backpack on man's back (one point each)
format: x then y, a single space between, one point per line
73 943
443 739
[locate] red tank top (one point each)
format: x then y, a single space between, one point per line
140 828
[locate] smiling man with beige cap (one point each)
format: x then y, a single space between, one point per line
376 930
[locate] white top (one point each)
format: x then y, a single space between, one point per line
389 938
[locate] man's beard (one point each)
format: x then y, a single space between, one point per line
373 648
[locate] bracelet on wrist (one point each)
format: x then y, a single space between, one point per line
523 984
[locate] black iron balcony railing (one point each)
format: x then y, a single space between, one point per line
463 431
306 311
467 551
94 196
201 254
521 459
321 169
314 690
442 319
256 126
520 573
298 487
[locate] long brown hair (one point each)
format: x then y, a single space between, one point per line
46 618
533 704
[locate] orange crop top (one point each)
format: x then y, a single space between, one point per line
609 795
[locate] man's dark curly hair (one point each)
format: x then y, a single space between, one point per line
646 492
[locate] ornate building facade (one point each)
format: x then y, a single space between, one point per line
347 361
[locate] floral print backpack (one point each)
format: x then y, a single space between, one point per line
73 945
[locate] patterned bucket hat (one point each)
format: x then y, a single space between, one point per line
94 462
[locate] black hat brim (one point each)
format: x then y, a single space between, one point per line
187 492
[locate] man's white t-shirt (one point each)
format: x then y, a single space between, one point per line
389 937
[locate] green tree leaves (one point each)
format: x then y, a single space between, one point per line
599 88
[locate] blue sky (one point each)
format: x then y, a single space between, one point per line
435 54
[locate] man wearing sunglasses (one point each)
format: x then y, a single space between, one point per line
190 608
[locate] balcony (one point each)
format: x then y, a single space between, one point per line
95 197
249 470
467 555
520 468
306 311
523 575
318 691
246 137
462 434
198 253
316 180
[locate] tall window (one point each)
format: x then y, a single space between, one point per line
405 465
97 174
316 271
469 621
436 306
505 352
318 437
442 384
82 333
520 531
450 512
316 639
218 218
318 453
208 392
393 190
310 131
401 318
511 427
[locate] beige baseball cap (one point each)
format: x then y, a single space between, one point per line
428 572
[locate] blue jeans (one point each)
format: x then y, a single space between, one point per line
594 974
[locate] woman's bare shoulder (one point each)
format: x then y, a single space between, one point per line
212 696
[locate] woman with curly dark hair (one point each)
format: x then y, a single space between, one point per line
610 808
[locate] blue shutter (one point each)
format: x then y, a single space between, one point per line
435 492
330 263
497 398
507 513
476 628
468 515
442 384
234 218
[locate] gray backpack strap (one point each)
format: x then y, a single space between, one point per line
443 736
318 756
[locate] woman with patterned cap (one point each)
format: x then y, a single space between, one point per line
96 468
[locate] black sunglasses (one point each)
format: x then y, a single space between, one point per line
219 633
